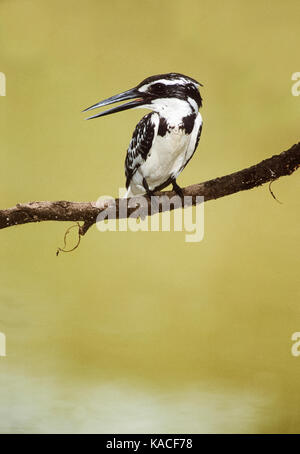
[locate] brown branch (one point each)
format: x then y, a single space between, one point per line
266 171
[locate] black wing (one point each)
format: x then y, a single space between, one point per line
196 145
139 146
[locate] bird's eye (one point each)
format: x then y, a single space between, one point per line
158 87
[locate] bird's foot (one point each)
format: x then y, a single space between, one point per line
177 189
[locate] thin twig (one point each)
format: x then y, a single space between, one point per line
59 249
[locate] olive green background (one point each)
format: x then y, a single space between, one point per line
143 332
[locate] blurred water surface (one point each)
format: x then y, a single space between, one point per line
143 332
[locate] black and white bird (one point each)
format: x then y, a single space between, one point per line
165 140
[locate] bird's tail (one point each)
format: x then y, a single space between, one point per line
128 193
131 192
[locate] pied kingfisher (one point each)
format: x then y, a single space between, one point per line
165 140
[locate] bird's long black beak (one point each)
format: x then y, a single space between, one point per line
129 94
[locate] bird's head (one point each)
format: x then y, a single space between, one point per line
156 93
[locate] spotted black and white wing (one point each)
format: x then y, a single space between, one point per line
195 147
139 146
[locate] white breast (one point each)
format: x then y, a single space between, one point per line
168 155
